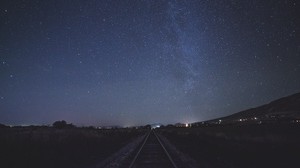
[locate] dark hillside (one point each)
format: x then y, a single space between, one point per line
283 109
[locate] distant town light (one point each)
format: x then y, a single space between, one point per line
186 125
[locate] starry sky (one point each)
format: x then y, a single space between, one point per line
134 62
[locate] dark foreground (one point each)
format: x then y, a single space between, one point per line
47 147
260 145
270 145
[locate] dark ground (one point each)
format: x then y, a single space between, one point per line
228 146
30 147
234 146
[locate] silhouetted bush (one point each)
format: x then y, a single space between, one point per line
62 124
3 126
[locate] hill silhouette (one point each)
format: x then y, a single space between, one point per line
283 109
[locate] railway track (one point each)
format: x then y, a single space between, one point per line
152 153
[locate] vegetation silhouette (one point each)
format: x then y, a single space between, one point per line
62 124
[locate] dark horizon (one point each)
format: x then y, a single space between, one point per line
124 126
138 62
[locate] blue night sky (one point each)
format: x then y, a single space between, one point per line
130 62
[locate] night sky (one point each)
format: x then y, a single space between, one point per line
129 62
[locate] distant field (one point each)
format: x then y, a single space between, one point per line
68 148
271 145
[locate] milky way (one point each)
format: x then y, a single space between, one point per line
138 62
181 48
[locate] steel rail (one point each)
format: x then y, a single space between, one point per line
139 151
160 143
166 152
